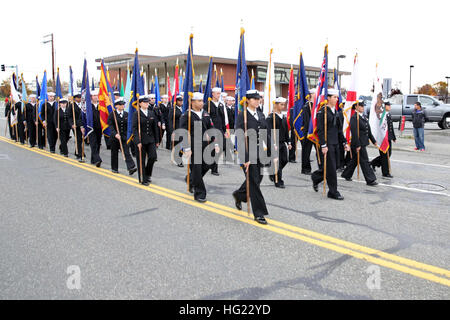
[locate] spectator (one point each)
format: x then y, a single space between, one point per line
418 119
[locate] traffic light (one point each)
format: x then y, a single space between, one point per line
3 67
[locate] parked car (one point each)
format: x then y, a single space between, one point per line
435 110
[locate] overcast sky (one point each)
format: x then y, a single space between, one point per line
394 33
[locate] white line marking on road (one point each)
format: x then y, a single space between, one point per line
423 164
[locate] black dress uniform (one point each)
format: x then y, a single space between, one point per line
17 130
149 138
382 160
95 137
172 128
360 139
8 117
64 127
198 170
157 112
122 124
255 121
334 138
307 144
31 127
52 135
283 143
218 123
77 121
293 138
227 144
164 110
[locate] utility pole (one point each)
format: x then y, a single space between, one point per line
53 55
410 68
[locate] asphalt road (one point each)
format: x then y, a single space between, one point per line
133 242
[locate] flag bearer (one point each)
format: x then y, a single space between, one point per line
63 125
119 132
360 140
173 125
147 140
329 145
282 142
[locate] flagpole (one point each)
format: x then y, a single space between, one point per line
325 155
247 176
139 133
17 123
37 119
189 140
46 123
25 111
357 121
117 128
74 124
58 120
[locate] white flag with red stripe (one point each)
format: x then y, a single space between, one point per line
352 97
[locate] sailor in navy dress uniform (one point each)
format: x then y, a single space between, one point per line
64 125
284 142
122 126
257 122
77 124
329 144
359 142
195 149
147 141
174 125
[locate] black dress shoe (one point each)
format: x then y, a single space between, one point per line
146 183
388 176
261 220
81 161
315 187
114 171
237 203
347 179
292 161
66 155
372 184
52 151
202 200
180 165
280 185
132 171
308 173
98 164
271 178
336 196
215 173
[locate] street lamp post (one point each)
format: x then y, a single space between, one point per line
337 66
410 68
53 55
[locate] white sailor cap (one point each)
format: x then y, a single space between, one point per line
179 97
252 94
120 101
32 95
230 98
144 98
312 90
63 100
77 94
51 94
116 93
280 100
182 93
164 96
333 92
94 92
224 94
152 96
216 89
197 96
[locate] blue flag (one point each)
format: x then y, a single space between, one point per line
86 107
24 94
137 89
189 83
200 87
58 86
156 89
338 88
208 92
242 80
43 97
301 96
70 82
38 88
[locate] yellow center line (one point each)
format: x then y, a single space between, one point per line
331 243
